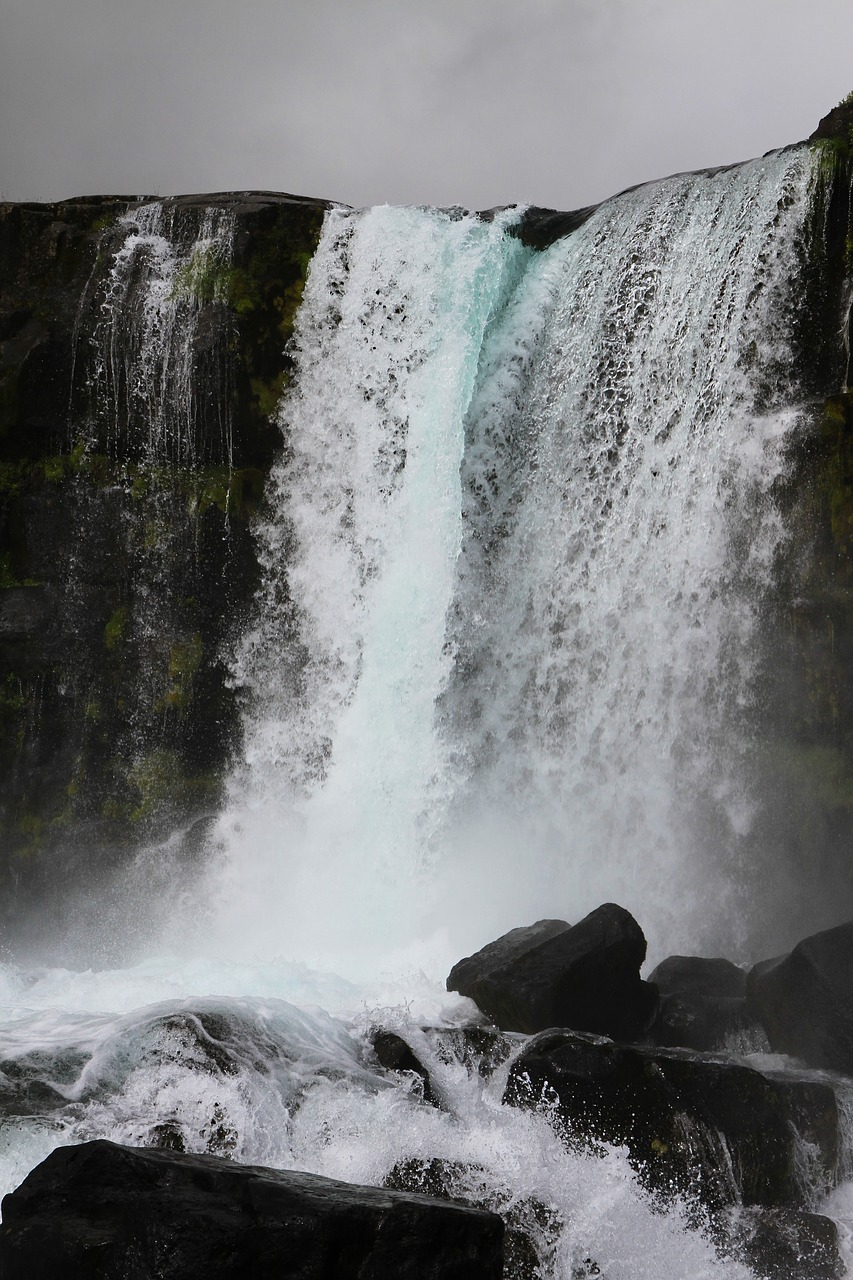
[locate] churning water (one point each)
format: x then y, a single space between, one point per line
500 667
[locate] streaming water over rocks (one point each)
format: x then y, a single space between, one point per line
503 663
147 342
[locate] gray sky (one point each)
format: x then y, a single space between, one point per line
473 102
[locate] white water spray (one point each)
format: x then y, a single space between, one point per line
478 697
145 342
346 773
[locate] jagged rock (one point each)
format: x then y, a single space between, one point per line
804 1000
395 1054
715 1130
532 1228
584 976
100 1211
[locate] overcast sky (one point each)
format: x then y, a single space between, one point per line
472 102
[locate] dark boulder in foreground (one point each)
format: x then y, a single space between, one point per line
717 1131
100 1211
804 1000
532 1228
703 1005
585 976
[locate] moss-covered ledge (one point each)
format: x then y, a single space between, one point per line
124 578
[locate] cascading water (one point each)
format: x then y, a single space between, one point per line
551 649
501 666
147 356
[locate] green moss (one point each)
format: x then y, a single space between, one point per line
55 468
102 222
269 393
821 775
115 628
833 486
184 661
229 491
163 787
205 277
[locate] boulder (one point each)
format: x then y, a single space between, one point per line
504 951
708 1024
699 976
532 1228
779 1246
716 1131
703 1005
100 1211
396 1054
804 1000
584 976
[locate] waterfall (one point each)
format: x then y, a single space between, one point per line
504 661
158 378
515 558
346 769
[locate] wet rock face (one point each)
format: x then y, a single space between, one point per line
127 563
699 976
532 1228
554 975
805 1000
782 1246
703 1005
116 1213
694 1126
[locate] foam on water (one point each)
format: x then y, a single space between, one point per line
261 1080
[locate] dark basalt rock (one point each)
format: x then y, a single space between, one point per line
538 228
395 1054
505 950
703 1004
698 976
105 1212
532 1228
584 976
837 123
811 1107
790 1245
481 1050
717 1131
124 577
804 1000
705 1023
